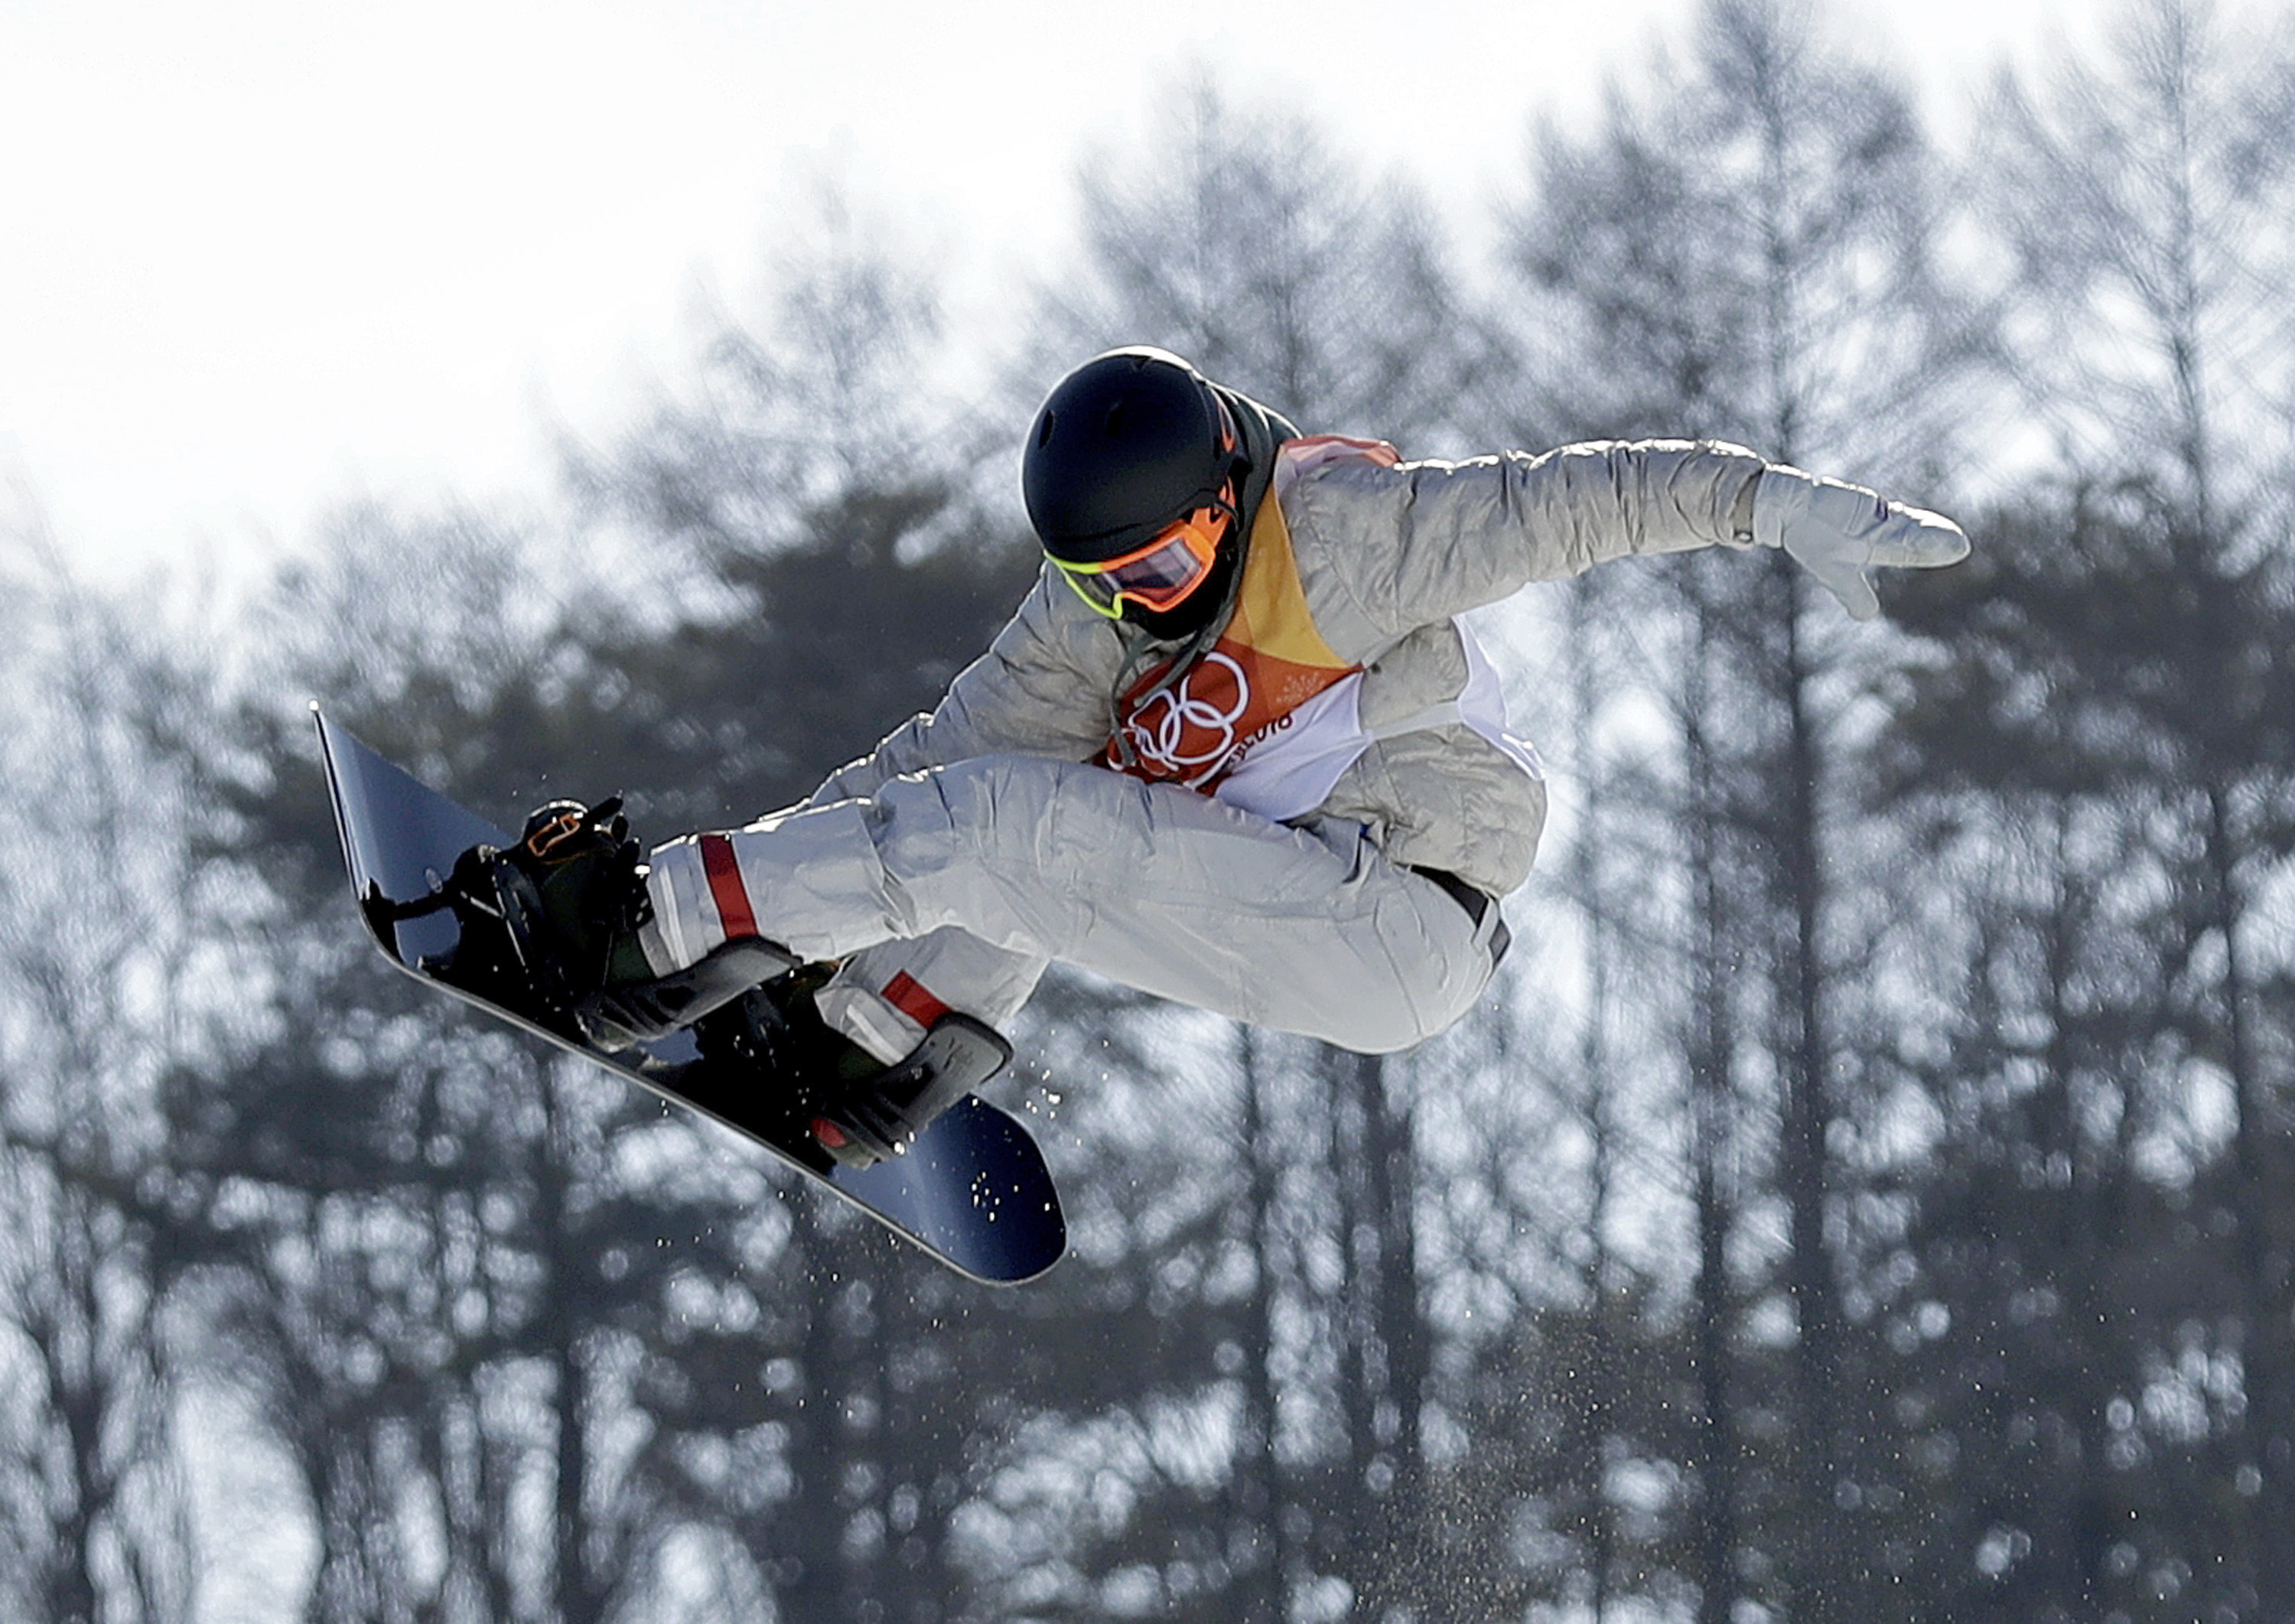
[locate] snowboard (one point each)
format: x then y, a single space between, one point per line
972 1190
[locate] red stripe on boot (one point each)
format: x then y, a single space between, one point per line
725 887
908 995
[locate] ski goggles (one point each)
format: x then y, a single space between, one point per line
1161 574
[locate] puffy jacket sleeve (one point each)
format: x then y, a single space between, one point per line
1417 541
1041 689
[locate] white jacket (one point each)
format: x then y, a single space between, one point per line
1386 554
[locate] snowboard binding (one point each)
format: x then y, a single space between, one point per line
545 929
881 1116
847 1107
749 1003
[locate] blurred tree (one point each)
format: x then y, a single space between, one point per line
810 561
2166 168
1755 256
473 1277
2072 1245
1958 1335
403 1176
816 564
2166 175
1241 239
97 1518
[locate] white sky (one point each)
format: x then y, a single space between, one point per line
256 256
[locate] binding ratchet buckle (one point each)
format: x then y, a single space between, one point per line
554 832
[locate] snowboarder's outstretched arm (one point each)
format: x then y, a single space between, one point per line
1424 540
1417 543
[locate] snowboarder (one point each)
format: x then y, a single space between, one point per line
1234 748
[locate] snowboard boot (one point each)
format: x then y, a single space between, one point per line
856 1110
881 1115
572 894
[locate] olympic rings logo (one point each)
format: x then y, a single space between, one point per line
1183 730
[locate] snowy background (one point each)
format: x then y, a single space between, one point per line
259 258
1866 1195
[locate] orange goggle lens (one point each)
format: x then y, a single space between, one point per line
1159 575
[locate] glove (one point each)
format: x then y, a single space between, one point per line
1837 531
588 893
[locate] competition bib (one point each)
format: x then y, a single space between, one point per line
1270 719
1266 719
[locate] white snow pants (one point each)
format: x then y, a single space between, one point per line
952 889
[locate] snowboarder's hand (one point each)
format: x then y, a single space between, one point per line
1837 531
587 870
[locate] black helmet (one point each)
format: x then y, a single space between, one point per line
1123 446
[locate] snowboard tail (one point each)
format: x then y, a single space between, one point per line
972 1190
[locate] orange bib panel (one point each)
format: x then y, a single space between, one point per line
1240 695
